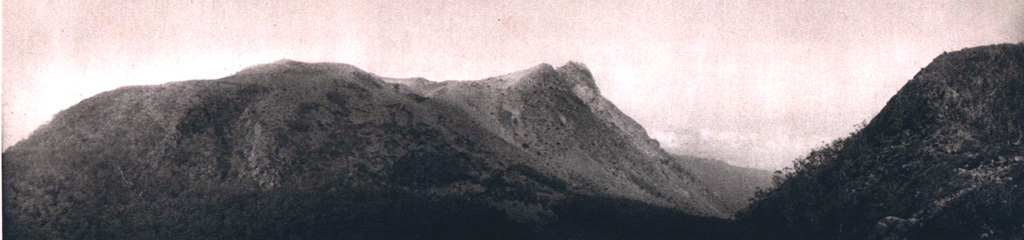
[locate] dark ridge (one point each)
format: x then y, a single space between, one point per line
943 160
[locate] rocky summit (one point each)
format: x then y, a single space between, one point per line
325 150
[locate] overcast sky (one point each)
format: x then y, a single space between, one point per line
755 83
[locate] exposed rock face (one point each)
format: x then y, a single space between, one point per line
946 150
293 149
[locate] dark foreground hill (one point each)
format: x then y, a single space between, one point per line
943 160
308 151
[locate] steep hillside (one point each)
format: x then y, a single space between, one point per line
559 117
293 149
943 160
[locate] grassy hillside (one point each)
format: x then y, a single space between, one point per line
943 160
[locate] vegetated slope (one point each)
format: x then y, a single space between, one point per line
559 117
734 185
323 150
944 159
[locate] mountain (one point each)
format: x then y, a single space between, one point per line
943 160
324 150
559 117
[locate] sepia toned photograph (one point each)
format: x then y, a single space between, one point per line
523 119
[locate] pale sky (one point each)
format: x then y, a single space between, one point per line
754 83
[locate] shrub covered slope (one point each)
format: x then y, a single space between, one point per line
943 160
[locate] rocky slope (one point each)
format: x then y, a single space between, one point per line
323 150
943 160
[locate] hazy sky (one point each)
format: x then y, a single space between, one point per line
755 83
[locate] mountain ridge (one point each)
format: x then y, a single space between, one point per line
528 148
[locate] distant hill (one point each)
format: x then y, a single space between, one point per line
943 160
734 185
324 150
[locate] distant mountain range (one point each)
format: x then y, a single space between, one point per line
324 150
